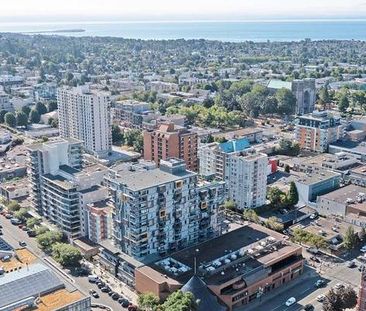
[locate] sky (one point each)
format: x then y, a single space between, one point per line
52 10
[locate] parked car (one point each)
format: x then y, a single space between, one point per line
22 243
31 233
115 296
94 293
105 289
363 249
309 307
290 301
92 278
8 216
100 285
320 298
361 268
320 283
313 216
125 303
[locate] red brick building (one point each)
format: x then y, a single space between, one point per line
170 141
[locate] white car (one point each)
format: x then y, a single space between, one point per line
338 286
290 301
320 298
363 249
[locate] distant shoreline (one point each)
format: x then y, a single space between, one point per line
55 31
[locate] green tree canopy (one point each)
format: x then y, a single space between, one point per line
21 213
286 101
250 214
41 108
13 206
10 119
148 302
350 239
26 110
66 255
32 222
52 105
34 116
47 239
21 119
292 195
2 116
179 301
117 135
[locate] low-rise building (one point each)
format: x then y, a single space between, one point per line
314 184
17 189
237 267
358 150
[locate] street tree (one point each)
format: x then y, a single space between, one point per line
292 195
47 239
147 302
41 108
66 255
251 215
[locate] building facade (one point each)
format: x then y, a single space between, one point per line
159 210
170 141
85 115
243 170
317 130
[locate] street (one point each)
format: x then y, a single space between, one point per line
304 290
12 234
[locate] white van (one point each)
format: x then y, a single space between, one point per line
92 278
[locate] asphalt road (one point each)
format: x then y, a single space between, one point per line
12 234
305 292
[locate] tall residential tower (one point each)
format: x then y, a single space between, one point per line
85 115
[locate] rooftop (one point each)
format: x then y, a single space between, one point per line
316 177
279 84
36 279
60 181
222 254
345 194
239 133
140 180
236 145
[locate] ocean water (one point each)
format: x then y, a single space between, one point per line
224 31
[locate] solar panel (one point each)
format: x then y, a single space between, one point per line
28 282
4 246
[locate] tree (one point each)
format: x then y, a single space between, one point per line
26 110
179 301
292 195
286 101
41 108
340 299
47 239
21 213
117 136
21 119
41 229
2 116
32 222
229 205
275 196
10 119
251 215
13 206
147 301
66 255
274 224
362 235
34 116
343 103
350 239
52 105
324 97
138 144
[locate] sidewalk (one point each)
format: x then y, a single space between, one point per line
255 306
